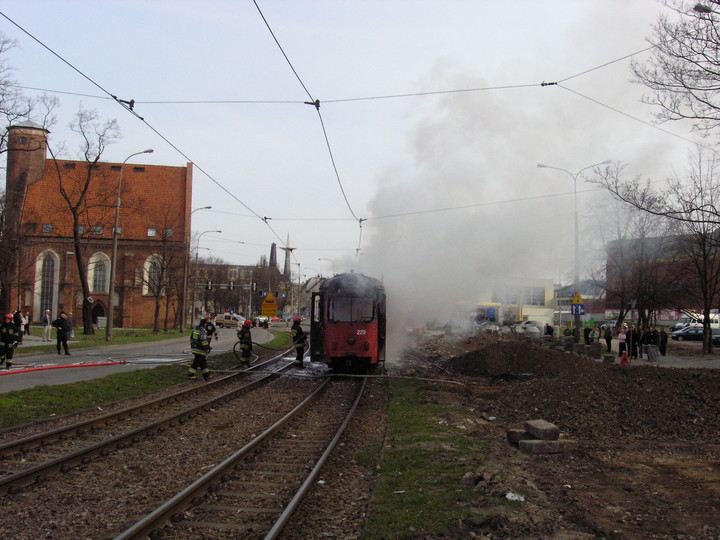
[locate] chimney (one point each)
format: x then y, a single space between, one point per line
273 256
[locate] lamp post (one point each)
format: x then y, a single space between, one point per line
332 264
576 277
197 249
183 306
113 261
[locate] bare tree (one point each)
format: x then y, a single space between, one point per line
692 204
632 272
164 272
77 194
683 71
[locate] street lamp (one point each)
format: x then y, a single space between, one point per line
197 249
183 308
113 261
332 267
576 277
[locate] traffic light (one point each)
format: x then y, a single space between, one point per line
232 285
254 286
209 285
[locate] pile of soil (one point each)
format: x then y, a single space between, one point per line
592 400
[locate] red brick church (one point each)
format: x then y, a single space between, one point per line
38 224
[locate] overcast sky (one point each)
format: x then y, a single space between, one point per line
446 183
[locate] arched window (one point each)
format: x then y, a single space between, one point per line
47 279
153 276
98 273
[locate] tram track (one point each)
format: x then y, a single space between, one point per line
253 492
33 458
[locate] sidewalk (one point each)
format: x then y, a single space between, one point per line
95 362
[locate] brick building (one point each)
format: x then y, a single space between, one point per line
41 253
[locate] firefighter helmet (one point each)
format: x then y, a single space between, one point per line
9 316
247 322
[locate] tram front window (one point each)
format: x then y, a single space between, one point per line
351 309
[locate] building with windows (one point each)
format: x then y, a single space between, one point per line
48 200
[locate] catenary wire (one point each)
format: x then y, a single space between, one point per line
328 101
316 104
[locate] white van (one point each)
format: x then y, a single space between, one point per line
231 321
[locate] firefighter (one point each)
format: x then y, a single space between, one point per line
9 338
299 338
211 329
200 347
245 342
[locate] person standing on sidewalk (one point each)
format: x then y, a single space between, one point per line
663 342
9 337
47 325
608 337
622 341
63 332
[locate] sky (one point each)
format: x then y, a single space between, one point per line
432 110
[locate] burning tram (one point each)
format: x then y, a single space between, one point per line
347 327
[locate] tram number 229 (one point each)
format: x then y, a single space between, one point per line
361 332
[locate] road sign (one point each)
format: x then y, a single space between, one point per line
269 306
577 309
577 299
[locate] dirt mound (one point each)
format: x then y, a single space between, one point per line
591 400
510 358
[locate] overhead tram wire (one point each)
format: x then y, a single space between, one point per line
128 106
316 104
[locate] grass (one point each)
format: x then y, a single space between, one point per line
41 402
426 454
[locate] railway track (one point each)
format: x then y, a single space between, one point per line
33 458
253 492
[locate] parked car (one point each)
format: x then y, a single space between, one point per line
529 326
689 333
229 320
679 326
486 327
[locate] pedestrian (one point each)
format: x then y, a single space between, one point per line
622 342
210 326
586 334
27 323
71 324
63 332
47 325
200 347
549 330
18 322
653 339
299 338
608 337
594 335
663 342
645 340
245 339
9 338
634 337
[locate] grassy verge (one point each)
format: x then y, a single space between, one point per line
427 452
121 336
41 402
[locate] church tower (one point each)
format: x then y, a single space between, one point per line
26 153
